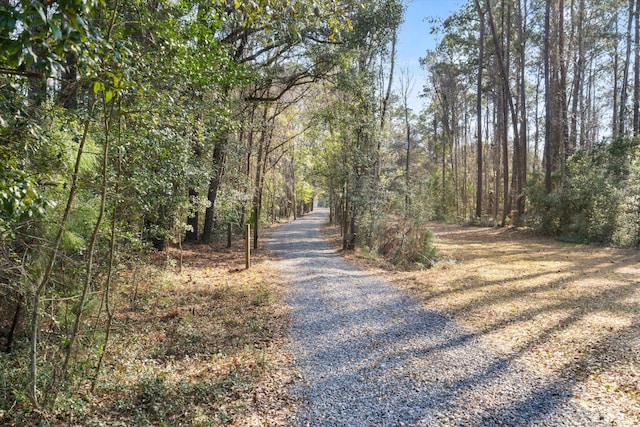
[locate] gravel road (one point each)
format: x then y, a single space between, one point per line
369 355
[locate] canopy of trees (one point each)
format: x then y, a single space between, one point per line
129 125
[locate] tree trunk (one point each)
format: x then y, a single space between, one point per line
406 87
214 184
503 68
548 134
522 140
43 280
636 72
479 165
92 242
259 181
14 325
578 76
294 196
497 146
622 116
385 100
556 129
536 138
562 108
615 131
444 173
69 83
506 202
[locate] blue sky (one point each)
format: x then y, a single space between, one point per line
415 38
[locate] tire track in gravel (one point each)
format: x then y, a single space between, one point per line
369 355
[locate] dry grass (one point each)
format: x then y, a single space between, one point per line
200 347
563 309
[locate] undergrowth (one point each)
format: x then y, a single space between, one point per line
189 348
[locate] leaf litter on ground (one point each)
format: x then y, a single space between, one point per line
562 308
197 347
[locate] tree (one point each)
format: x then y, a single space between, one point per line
479 148
406 87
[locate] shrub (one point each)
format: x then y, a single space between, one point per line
597 199
406 241
627 230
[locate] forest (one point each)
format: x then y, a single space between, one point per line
129 128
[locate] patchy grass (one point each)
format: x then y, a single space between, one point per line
563 309
206 348
200 347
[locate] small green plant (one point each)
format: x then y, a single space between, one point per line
263 295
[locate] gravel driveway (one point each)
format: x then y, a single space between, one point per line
369 355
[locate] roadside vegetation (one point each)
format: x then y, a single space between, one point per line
200 347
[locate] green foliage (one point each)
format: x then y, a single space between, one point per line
304 191
407 242
596 201
233 195
404 238
37 35
156 400
13 384
263 296
110 114
627 232
375 23
19 202
33 152
538 214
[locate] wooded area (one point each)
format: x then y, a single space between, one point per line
532 117
130 126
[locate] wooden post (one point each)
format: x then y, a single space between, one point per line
247 245
228 235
